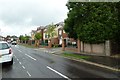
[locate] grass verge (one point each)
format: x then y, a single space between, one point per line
75 56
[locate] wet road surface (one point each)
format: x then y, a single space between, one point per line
32 63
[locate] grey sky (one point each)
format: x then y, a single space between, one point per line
21 16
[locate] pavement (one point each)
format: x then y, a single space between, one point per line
112 63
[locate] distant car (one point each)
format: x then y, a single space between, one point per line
14 43
6 54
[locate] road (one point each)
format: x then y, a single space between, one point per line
33 63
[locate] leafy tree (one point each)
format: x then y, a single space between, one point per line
24 38
51 31
27 38
38 36
21 38
92 22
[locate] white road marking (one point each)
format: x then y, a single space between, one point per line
19 62
30 57
23 67
28 74
19 50
17 59
58 73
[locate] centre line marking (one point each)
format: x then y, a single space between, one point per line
30 57
19 62
19 50
17 59
28 74
23 67
58 73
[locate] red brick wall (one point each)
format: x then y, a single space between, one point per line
55 41
65 35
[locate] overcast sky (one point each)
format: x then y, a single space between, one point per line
21 16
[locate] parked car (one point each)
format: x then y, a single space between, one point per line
6 54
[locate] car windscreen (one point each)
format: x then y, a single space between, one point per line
3 46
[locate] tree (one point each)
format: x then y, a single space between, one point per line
21 38
51 31
24 38
92 22
27 38
38 36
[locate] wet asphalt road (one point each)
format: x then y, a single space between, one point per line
32 63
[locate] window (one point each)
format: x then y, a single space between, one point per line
46 35
4 46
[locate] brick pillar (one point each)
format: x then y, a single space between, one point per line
49 43
63 45
35 43
79 45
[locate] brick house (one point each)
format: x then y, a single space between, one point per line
40 30
63 35
54 40
45 35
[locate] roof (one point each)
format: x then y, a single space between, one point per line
39 28
60 23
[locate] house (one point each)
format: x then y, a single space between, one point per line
54 39
45 35
40 30
57 38
60 34
1 38
63 35
33 34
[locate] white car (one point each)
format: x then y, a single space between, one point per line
14 43
6 54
